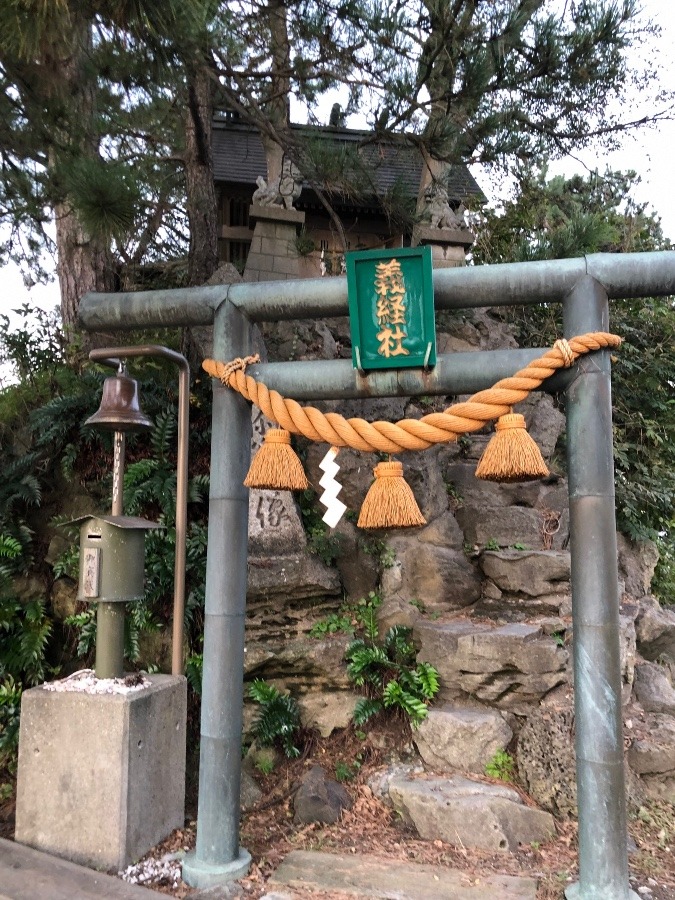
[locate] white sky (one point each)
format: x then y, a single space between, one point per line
651 153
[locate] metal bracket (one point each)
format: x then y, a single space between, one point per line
359 367
427 354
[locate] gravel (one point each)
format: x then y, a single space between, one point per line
86 682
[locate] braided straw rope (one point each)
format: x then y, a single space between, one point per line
407 434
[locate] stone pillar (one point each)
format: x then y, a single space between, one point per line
101 777
273 255
449 246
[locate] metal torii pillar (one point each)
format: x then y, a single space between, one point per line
583 285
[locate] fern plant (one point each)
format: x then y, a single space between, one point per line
278 719
390 676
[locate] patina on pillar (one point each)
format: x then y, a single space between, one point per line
603 856
218 857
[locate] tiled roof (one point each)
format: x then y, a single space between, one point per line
239 158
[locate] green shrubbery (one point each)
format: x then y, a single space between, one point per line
44 443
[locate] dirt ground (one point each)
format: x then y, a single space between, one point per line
268 833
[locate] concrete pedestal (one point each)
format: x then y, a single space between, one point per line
101 778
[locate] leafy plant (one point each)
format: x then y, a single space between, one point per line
10 705
390 676
265 765
34 347
492 544
84 624
335 622
346 771
501 766
304 244
24 626
278 719
350 616
320 540
193 671
385 554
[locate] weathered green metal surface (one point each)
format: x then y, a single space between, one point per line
547 281
217 856
603 860
113 558
454 373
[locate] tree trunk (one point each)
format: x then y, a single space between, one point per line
200 189
277 104
84 264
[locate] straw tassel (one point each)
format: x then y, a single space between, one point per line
276 465
390 502
511 455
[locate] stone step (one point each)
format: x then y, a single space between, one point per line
510 666
358 875
27 874
469 813
454 738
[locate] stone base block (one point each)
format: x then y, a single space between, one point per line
101 778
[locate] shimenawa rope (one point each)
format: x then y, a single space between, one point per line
407 434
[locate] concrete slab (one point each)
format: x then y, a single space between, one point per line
27 874
370 876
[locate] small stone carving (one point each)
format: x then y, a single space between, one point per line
437 210
282 191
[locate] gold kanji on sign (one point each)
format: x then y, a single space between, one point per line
391 309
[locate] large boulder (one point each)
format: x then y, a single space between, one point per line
469 813
654 689
511 666
531 572
546 758
655 629
327 711
637 561
508 525
359 560
300 665
441 578
290 577
545 422
456 738
469 491
652 755
64 598
319 798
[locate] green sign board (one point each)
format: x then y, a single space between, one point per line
391 308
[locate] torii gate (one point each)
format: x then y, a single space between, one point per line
584 286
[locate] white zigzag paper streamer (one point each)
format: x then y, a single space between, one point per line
335 508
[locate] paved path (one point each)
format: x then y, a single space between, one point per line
370 876
27 874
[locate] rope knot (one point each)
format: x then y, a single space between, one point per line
565 351
235 365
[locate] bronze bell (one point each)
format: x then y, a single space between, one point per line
119 409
